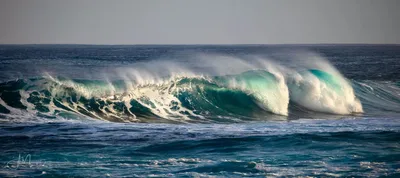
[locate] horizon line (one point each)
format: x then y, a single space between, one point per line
201 44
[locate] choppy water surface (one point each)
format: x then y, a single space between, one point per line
184 111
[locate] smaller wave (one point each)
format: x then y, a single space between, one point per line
378 97
324 92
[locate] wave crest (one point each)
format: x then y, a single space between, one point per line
244 89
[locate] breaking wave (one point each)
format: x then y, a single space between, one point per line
231 90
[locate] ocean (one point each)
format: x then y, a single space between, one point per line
199 110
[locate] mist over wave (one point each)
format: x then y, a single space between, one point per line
216 88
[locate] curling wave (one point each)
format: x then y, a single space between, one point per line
258 90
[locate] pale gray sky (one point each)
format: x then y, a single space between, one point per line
199 21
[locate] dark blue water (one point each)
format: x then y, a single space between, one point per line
199 111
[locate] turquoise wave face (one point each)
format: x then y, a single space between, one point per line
235 95
268 91
252 80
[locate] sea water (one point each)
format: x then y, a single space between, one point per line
199 110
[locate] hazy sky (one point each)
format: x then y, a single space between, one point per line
199 21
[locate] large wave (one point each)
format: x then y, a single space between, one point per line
221 89
182 99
